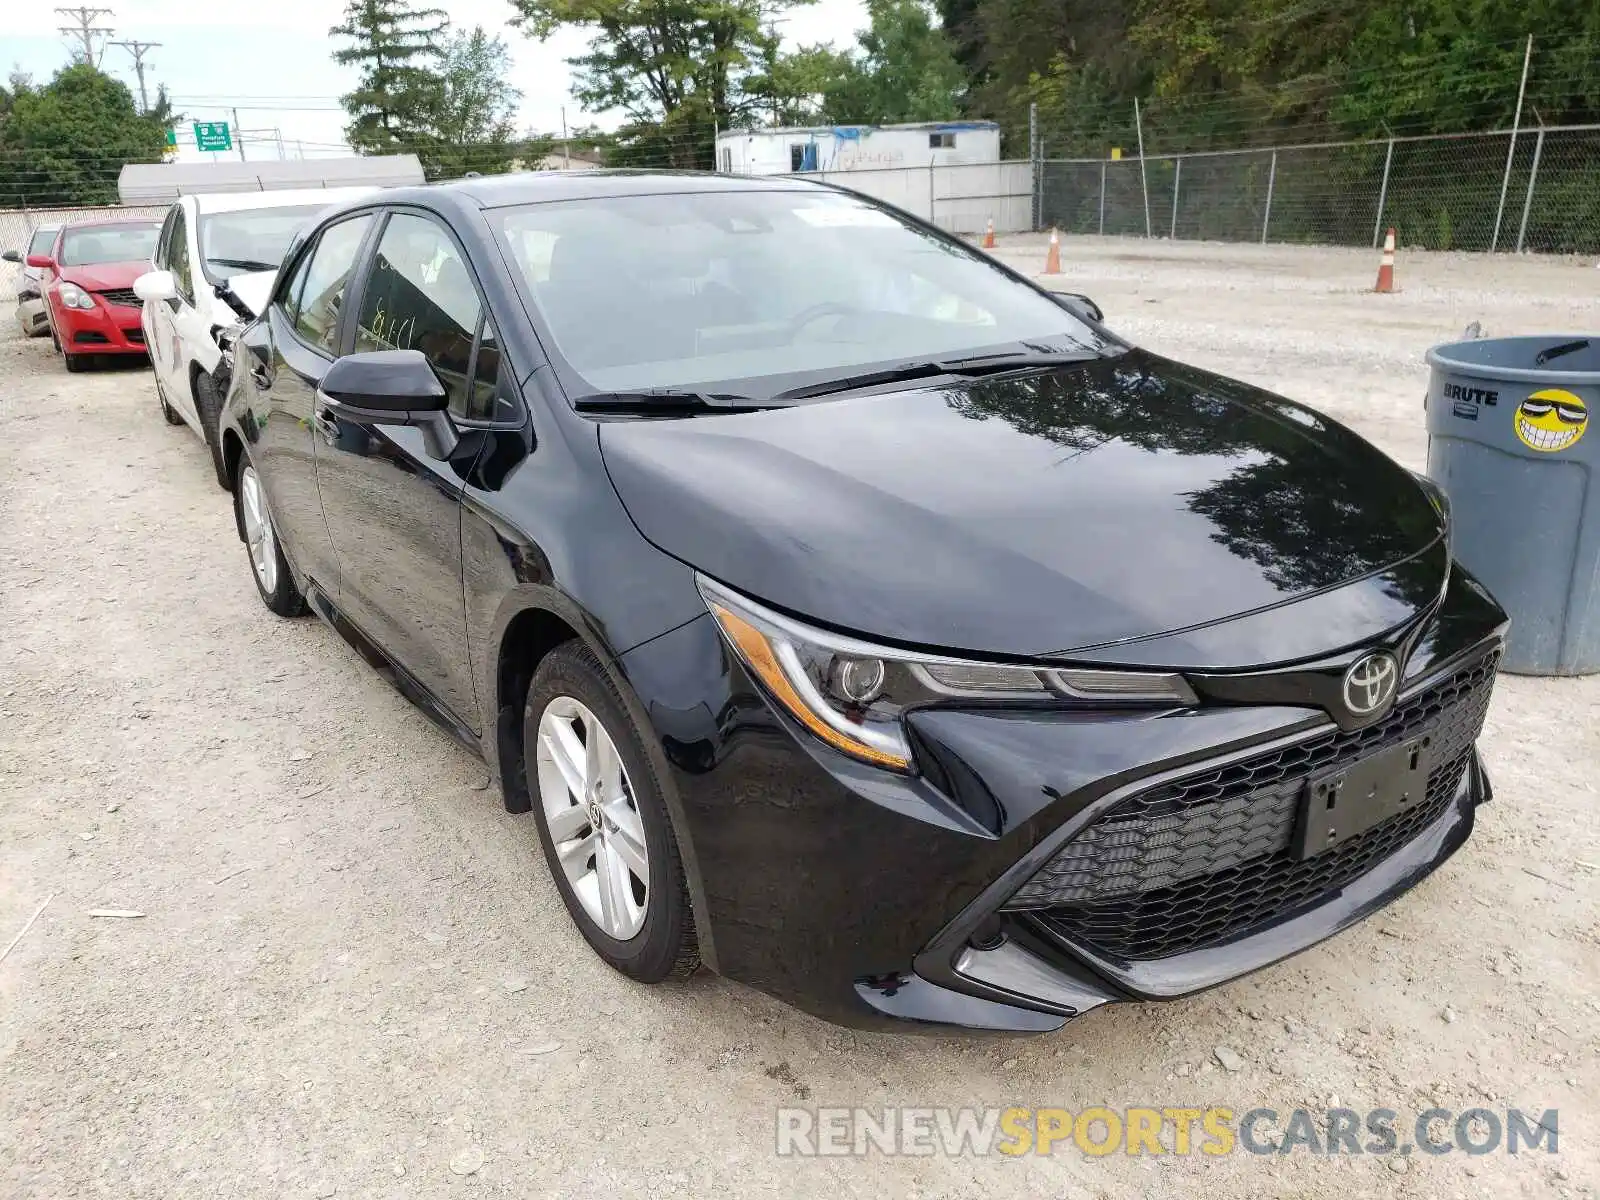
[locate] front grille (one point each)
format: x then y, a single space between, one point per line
90 337
1208 857
126 297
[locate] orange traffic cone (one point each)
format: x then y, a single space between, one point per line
1386 270
1052 260
988 235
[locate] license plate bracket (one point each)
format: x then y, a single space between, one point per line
1341 804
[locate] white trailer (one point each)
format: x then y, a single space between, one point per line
833 148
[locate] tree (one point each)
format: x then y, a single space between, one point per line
677 67
397 50
471 125
906 69
65 143
793 89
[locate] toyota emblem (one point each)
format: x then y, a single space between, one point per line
1370 684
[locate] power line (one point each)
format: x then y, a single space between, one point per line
138 50
85 30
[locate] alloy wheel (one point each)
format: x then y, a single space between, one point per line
589 808
258 530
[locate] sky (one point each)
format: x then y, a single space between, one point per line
274 60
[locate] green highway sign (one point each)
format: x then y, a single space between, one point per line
172 136
213 135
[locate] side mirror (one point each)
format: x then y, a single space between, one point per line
12 256
390 387
155 286
1079 306
43 261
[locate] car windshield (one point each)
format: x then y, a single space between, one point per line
107 244
756 289
43 239
236 243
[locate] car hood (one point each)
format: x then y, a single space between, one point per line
1042 513
254 288
100 277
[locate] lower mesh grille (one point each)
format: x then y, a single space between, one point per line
1207 858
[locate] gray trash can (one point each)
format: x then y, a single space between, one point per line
1509 441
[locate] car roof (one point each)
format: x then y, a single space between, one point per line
220 202
533 187
123 223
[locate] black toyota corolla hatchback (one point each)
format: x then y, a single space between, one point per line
848 614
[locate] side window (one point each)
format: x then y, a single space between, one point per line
489 401
420 296
316 315
178 255
289 294
162 242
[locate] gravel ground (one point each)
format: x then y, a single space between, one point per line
354 977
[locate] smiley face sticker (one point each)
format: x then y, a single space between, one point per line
1551 420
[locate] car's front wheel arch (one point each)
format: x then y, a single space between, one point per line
542 624
232 452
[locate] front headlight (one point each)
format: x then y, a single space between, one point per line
74 296
853 695
1436 495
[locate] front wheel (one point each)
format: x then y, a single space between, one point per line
267 564
602 822
167 411
76 363
208 399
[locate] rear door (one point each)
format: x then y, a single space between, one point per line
301 336
393 511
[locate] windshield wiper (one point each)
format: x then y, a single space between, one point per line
669 400
244 264
972 364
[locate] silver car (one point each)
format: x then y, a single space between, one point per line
30 294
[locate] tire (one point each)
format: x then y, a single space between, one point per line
167 411
55 341
208 403
268 567
572 689
76 363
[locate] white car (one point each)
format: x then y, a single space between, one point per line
213 270
31 314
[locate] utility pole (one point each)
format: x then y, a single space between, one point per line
138 49
238 134
566 147
83 28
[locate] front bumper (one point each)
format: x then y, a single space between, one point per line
31 315
872 899
103 329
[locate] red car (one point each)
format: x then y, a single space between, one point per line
88 287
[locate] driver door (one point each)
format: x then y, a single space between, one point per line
164 338
156 318
393 511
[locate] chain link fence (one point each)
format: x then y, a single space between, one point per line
1439 193
17 226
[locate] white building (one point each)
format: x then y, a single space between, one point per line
152 183
857 147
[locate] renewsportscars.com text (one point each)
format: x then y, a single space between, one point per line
1215 1131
